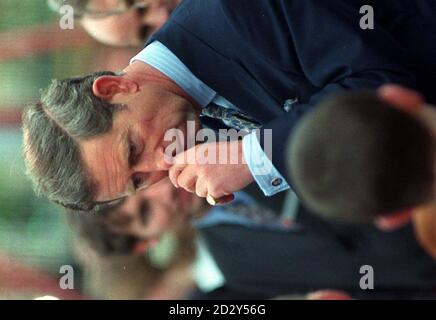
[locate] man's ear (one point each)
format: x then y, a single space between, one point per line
394 221
106 87
401 98
145 245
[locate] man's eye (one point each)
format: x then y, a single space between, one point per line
137 181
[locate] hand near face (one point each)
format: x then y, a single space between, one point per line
214 169
401 98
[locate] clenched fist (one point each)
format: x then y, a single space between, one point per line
211 169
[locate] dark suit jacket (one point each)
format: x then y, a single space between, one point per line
323 255
259 53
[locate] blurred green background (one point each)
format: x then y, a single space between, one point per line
31 229
33 50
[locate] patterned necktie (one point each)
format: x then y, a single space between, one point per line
231 118
257 215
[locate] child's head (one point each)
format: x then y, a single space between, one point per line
356 158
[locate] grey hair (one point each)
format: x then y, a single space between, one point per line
67 114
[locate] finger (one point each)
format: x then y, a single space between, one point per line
402 98
187 179
218 197
200 189
174 173
216 201
225 200
394 221
329 295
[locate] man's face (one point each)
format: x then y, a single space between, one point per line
131 155
130 28
153 212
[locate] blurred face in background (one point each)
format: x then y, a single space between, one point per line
126 22
154 211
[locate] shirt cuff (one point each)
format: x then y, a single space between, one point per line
267 177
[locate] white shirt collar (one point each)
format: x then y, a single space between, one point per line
160 57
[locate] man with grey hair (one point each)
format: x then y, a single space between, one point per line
224 60
55 141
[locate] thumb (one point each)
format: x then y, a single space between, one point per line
401 98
